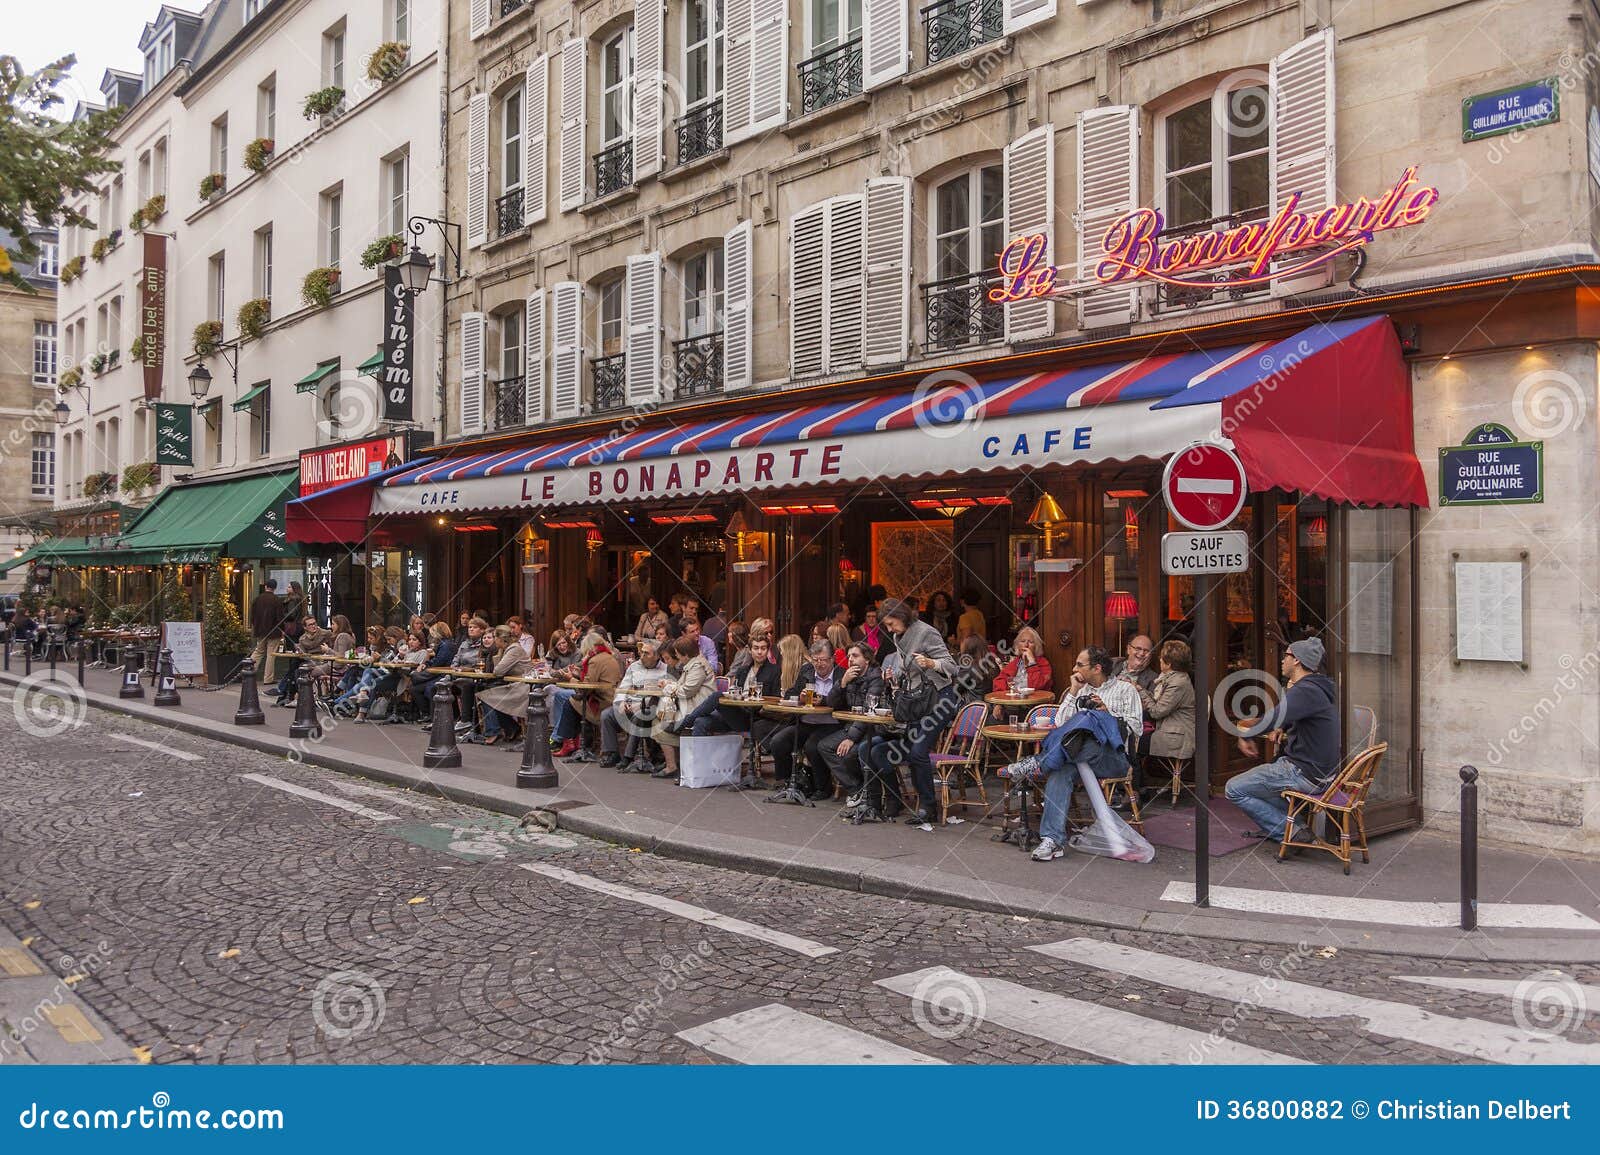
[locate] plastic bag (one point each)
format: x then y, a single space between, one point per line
1110 836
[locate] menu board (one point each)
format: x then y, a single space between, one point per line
1489 611
188 647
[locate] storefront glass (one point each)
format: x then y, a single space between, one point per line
1376 627
1120 600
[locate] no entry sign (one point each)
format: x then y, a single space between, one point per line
1204 486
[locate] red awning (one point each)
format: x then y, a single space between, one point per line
338 516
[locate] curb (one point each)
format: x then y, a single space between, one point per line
868 875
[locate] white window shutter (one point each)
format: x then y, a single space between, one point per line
807 290
566 359
888 265
533 359
474 328
847 266
769 65
574 167
1108 188
1016 15
736 71
478 169
1302 159
478 18
885 41
738 251
649 64
536 140
641 306
1030 192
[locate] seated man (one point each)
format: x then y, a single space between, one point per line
859 688
1309 755
1096 717
633 713
755 672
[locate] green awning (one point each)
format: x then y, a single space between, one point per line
370 367
198 523
317 376
56 551
245 401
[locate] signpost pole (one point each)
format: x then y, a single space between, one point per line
1204 586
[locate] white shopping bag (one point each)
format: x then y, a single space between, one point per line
1110 836
710 761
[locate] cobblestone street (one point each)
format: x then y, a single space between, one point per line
217 905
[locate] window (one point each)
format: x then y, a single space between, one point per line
511 141
702 53
263 272
397 190
252 9
219 145
49 263
44 352
968 223
158 58
113 454
834 22
261 419
510 345
1213 156
43 472
216 286
114 325
333 56
611 318
144 176
400 21
211 423
332 224
267 108
702 293
616 88
158 168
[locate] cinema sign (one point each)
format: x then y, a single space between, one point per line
1134 249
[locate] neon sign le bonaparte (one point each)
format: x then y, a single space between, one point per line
1133 249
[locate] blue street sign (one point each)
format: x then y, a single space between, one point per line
1492 468
1521 106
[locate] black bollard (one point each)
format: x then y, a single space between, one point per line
27 657
131 685
166 681
442 751
81 645
10 636
1469 848
537 771
249 711
305 724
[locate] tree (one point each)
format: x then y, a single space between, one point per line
225 628
44 161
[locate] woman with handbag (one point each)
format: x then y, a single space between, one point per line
691 684
924 700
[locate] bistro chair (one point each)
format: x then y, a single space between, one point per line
1176 768
723 683
1343 804
1110 786
1363 724
958 758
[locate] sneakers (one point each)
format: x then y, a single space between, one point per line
855 800
609 759
1022 770
1047 849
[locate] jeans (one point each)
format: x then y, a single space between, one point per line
918 742
878 767
568 720
1058 788
1259 793
845 768
494 721
790 740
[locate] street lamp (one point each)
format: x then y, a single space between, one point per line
199 381
415 270
61 413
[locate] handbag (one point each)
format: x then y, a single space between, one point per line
913 703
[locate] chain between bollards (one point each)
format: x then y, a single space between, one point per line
1469 848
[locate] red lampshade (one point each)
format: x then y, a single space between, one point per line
1121 604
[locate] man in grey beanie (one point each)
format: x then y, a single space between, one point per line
1307 758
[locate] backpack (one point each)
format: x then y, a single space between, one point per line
378 709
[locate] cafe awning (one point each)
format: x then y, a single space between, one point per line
370 367
317 376
337 515
1325 412
196 524
247 399
51 551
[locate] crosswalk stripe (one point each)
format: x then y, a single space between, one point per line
1476 1038
1518 989
1105 1032
318 796
684 910
1337 908
374 792
778 1035
160 748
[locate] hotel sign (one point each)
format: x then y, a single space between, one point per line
153 313
1135 248
1492 468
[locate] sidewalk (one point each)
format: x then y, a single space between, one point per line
1306 899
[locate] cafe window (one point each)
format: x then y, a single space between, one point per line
1121 597
1212 157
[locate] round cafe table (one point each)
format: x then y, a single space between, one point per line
1009 703
1024 741
752 779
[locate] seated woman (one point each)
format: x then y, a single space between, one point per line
313 639
440 655
394 684
601 666
503 707
691 684
471 655
1029 667
356 684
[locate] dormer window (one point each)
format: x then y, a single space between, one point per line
252 9
158 58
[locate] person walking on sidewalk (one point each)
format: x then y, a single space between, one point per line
1308 757
266 624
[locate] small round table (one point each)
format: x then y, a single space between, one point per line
752 779
998 735
1009 703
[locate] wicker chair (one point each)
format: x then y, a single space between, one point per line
958 758
1343 804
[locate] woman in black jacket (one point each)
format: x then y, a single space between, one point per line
858 690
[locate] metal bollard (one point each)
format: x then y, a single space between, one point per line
537 771
5 648
1469 848
81 645
131 663
305 724
442 751
166 681
249 711
27 657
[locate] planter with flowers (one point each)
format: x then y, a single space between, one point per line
323 102
211 184
253 318
72 270
258 154
97 364
154 209
100 248
319 286
141 475
69 379
99 484
207 338
387 61
387 248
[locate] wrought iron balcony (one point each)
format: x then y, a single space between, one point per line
509 396
957 311
831 76
697 362
508 213
613 168
610 382
1169 298
507 7
957 26
700 131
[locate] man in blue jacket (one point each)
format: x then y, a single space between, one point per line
1308 757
